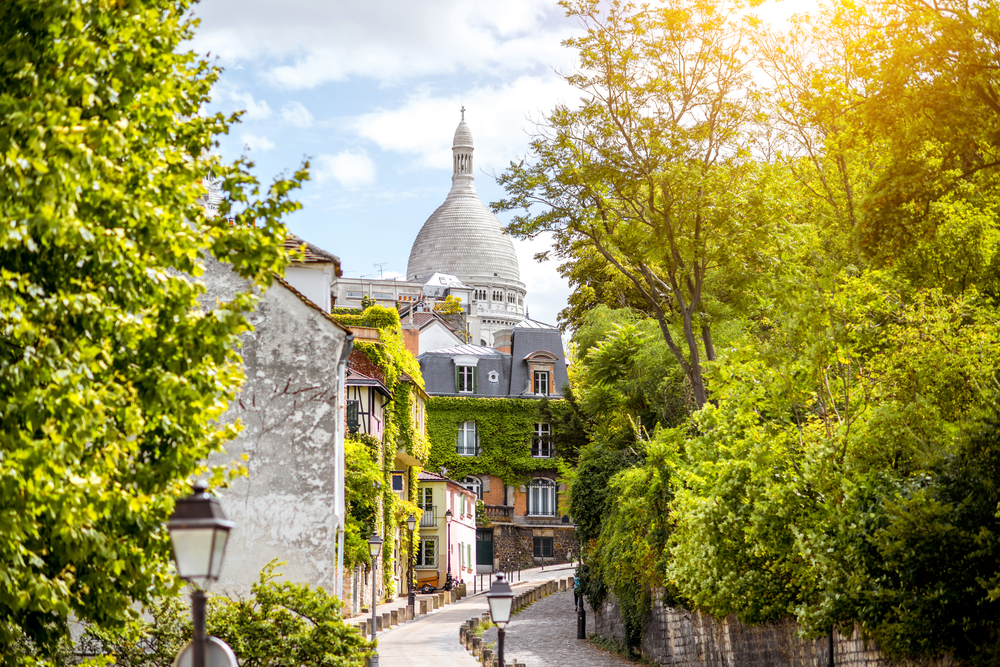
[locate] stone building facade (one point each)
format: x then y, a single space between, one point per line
288 405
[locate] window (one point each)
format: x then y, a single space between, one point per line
497 295
384 296
425 500
543 547
493 376
466 445
541 445
465 379
427 553
353 407
541 382
542 497
475 486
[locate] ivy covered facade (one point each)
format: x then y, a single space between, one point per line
386 412
492 421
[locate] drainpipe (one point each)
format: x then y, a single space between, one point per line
340 509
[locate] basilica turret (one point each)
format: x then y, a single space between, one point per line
464 239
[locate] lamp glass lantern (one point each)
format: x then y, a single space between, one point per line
199 532
411 522
501 601
374 546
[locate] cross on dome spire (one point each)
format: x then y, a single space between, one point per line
463 113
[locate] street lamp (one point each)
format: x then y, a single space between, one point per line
501 601
411 523
374 548
447 520
199 531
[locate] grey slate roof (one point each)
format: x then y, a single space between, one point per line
438 367
438 370
528 340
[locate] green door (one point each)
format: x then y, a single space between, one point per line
484 547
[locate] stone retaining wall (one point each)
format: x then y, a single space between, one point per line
681 638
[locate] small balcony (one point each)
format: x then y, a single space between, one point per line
428 520
500 513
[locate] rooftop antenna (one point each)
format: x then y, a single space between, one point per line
379 265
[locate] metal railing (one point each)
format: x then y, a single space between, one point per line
500 513
428 520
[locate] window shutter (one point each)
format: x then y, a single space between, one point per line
457 370
475 379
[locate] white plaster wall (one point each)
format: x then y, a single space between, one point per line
436 336
313 282
287 406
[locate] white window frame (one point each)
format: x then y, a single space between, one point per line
473 485
467 431
466 380
541 446
541 380
541 497
420 561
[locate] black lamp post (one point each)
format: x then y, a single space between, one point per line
411 523
374 548
199 532
501 601
447 520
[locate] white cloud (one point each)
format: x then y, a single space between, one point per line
295 113
388 40
352 169
254 142
239 100
424 125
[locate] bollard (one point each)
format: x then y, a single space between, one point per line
477 645
394 617
581 623
386 620
378 624
363 628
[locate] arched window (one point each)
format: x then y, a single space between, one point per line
474 485
542 497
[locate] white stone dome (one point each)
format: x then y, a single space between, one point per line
463 237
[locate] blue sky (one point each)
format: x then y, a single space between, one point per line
370 93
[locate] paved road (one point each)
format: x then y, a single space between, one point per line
544 635
432 640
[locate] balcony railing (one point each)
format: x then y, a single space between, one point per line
428 520
500 513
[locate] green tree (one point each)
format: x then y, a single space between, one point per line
653 170
112 377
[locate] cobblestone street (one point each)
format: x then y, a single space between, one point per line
544 635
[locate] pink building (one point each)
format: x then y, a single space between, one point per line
447 543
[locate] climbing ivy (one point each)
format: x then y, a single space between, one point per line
505 427
392 358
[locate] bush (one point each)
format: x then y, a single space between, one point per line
278 625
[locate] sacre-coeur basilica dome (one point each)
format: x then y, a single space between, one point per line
464 239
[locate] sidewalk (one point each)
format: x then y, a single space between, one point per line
433 639
544 635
